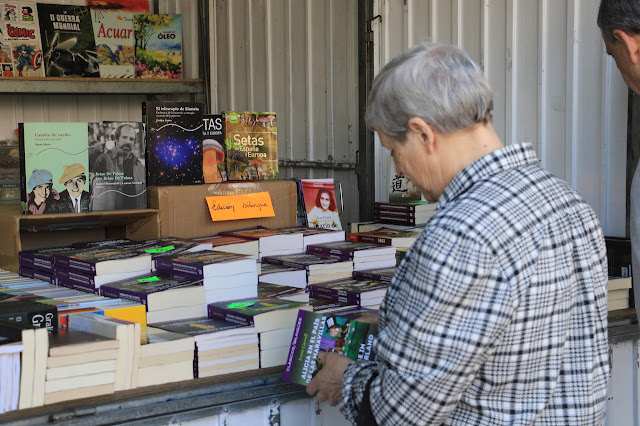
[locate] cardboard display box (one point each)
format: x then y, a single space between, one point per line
183 210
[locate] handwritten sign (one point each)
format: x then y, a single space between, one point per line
244 206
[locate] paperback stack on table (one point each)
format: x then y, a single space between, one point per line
618 293
40 263
366 293
619 267
224 275
273 319
316 235
92 372
280 291
411 214
283 275
387 237
271 241
165 357
221 347
382 274
363 255
327 305
229 244
10 353
319 268
317 332
166 297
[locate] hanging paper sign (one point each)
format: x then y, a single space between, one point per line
243 206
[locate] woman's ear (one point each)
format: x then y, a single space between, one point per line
424 132
631 43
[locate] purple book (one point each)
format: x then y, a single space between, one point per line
383 274
139 289
41 259
206 263
350 250
355 289
76 285
37 275
104 260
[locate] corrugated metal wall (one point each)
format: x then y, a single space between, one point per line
299 59
554 85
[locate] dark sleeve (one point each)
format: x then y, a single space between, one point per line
365 413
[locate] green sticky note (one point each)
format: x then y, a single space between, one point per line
146 280
159 250
240 305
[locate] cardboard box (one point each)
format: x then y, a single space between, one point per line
183 210
25 232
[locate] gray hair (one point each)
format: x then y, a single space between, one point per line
438 83
619 15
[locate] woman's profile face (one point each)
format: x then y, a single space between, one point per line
41 193
325 201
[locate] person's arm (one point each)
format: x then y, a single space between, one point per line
451 303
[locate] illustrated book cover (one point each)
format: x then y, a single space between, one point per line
158 45
251 145
115 42
68 43
321 204
316 332
20 46
9 172
174 142
213 156
53 167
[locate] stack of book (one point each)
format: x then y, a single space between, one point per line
271 241
408 214
229 244
315 235
284 292
40 263
165 357
618 293
221 347
10 353
387 237
166 297
283 275
363 255
318 268
273 319
79 364
225 276
383 274
365 293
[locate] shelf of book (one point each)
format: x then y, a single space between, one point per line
40 231
76 86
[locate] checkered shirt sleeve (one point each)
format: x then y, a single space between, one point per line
498 313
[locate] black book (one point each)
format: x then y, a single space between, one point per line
28 311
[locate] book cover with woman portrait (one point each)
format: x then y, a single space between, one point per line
321 203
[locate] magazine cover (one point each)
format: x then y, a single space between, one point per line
115 42
320 203
251 145
117 165
67 39
158 45
213 149
54 166
174 142
9 172
20 47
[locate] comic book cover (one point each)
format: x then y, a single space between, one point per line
53 167
20 47
115 42
68 44
158 45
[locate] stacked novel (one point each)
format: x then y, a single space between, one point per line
271 242
40 263
410 214
221 347
316 332
229 244
319 268
224 275
365 293
165 296
283 275
383 274
316 235
387 237
363 255
618 293
273 319
619 267
80 364
165 357
284 292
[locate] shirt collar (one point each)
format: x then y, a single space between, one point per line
501 160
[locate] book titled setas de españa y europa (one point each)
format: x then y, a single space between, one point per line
316 332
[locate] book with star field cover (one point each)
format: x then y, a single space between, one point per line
174 142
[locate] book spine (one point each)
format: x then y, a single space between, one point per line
75 264
335 298
76 285
324 291
394 207
76 277
30 260
281 262
394 213
333 252
116 293
23 168
286 376
394 220
35 274
364 275
215 312
370 239
179 269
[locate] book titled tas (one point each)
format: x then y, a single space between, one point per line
68 43
251 145
213 164
174 142
158 45
20 46
316 332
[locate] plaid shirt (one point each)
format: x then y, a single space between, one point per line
498 314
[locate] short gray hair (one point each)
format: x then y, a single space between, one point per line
619 15
438 83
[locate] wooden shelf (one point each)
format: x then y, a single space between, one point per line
74 86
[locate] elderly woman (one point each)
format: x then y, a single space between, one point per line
41 193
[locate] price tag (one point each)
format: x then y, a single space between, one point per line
160 249
244 206
240 305
146 280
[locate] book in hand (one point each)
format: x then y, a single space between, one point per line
21 43
174 142
351 250
317 332
104 260
387 237
68 43
205 264
158 45
251 145
265 314
213 156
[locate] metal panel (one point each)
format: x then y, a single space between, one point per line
553 84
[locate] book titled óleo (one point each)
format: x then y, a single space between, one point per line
316 332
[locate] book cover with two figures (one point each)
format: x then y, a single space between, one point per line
20 46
